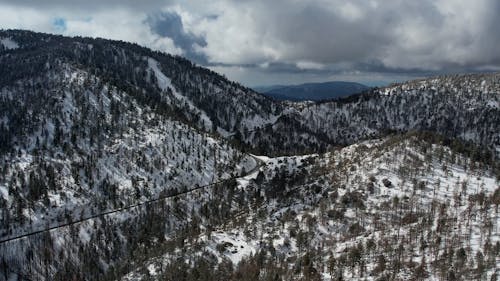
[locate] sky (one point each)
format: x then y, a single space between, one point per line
264 42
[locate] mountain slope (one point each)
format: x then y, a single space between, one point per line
467 107
211 103
193 93
464 106
85 143
401 207
76 144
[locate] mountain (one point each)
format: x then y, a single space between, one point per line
390 208
122 163
264 89
88 127
313 91
466 107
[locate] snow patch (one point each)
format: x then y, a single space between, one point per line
236 246
9 44
164 83
4 192
152 270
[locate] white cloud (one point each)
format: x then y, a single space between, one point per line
309 65
118 24
24 18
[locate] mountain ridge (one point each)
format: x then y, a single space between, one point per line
313 91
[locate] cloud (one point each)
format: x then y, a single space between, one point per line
310 65
118 23
89 5
169 25
262 40
400 34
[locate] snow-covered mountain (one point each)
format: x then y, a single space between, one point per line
118 162
74 144
460 106
464 106
84 146
397 208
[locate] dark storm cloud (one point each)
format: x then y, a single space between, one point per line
319 35
169 24
401 34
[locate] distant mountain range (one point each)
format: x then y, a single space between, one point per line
312 91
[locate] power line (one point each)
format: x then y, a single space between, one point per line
258 166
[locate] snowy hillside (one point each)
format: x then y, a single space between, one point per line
399 207
192 93
74 147
8 44
462 106
465 106
122 163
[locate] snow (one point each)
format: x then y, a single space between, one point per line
164 83
9 44
262 158
184 158
382 163
152 270
84 235
238 247
4 192
370 158
493 104
244 181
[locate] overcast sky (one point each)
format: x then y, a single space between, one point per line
287 42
